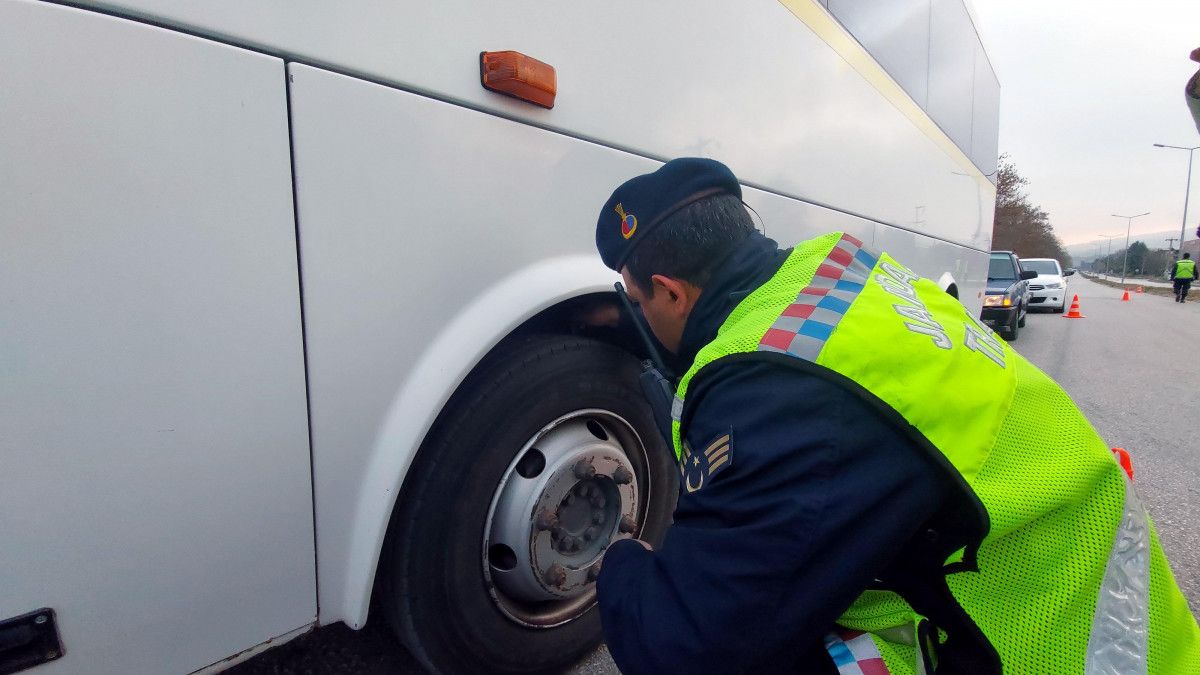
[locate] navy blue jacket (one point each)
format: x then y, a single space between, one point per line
820 493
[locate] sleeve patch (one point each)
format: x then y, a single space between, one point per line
698 468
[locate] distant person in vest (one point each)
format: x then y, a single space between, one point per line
1183 274
870 480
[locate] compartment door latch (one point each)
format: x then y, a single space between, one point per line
29 640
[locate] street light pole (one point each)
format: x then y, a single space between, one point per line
1109 237
1186 192
1128 225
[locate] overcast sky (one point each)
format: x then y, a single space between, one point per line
1087 86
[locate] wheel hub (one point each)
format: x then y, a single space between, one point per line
569 494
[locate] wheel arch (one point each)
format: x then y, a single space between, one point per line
948 284
546 297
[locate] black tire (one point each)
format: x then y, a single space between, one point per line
433 587
1013 330
1022 312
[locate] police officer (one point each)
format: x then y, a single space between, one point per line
870 481
1183 274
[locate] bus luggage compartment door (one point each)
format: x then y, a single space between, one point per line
155 487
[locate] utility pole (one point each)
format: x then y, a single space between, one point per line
1128 226
1171 244
1109 237
1186 191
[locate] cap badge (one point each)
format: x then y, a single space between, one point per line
628 222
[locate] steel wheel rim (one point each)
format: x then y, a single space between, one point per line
579 484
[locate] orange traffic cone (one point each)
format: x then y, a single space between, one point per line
1140 290
1125 298
1074 312
1123 458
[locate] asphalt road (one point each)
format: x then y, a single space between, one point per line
1132 367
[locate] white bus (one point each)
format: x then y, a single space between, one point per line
290 303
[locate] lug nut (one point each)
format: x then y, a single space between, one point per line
555 576
627 525
584 470
569 544
597 517
545 520
598 501
622 476
557 533
589 534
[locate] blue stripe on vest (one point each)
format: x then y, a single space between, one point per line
816 329
842 656
866 259
832 303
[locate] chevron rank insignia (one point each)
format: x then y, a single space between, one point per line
698 468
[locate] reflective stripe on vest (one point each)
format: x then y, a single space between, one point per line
1120 627
1185 269
855 653
804 326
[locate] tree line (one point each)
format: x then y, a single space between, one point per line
1021 226
1142 260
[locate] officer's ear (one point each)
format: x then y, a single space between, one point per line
678 296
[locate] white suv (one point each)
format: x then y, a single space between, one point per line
1049 289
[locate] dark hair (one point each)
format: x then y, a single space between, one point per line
691 243
1186 256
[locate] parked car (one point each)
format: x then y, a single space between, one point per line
1006 300
1049 291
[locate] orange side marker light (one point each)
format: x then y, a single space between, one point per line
520 76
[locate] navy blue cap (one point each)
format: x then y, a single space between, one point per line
643 202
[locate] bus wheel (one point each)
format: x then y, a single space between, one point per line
544 456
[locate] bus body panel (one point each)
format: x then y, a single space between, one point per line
428 231
751 84
433 216
447 228
154 464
